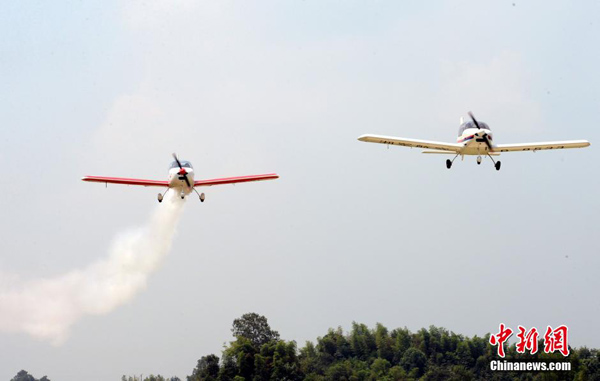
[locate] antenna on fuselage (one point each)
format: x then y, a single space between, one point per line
462 120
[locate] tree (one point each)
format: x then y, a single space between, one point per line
285 361
206 369
362 342
239 357
384 343
24 376
255 328
379 368
414 359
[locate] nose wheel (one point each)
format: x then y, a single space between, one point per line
478 160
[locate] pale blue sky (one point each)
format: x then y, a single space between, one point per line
351 231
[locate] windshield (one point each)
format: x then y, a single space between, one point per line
184 164
467 125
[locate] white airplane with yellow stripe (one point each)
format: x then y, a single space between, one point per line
474 138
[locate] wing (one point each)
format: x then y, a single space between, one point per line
541 146
121 180
452 147
234 180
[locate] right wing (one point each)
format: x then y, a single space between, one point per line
126 181
541 146
235 180
451 147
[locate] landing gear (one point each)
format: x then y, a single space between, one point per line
478 160
200 195
449 162
161 196
496 163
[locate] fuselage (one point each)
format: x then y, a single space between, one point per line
177 177
473 138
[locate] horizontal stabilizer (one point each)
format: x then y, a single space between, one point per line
441 152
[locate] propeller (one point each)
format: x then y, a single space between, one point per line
485 136
182 171
474 120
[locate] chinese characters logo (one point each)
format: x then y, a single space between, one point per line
554 340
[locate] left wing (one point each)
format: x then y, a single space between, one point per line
126 181
451 147
541 146
234 180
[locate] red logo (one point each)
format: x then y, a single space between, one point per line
527 341
500 338
554 340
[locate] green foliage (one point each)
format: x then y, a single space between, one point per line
148 378
24 376
206 369
414 359
366 354
255 328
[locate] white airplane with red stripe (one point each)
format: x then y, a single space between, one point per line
474 138
180 180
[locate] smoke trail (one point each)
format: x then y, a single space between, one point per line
46 308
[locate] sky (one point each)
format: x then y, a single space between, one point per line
351 231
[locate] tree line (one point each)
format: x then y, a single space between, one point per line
257 353
366 354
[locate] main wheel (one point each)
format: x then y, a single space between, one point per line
202 197
160 197
497 166
478 160
448 163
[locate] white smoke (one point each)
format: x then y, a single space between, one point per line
46 308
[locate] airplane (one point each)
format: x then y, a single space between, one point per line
474 138
181 179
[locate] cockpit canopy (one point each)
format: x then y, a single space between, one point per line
184 164
470 124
